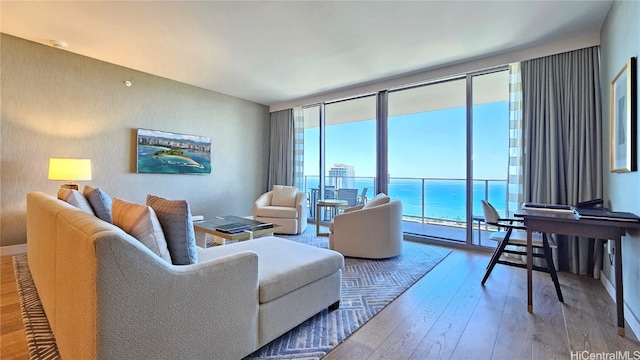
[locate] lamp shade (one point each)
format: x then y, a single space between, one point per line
69 169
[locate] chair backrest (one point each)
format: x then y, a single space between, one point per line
363 196
491 215
351 195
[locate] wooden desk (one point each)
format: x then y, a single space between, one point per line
568 224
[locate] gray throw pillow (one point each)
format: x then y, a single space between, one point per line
100 202
177 224
75 198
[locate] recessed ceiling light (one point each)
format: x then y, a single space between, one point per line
59 44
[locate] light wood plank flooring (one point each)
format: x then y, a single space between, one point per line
448 315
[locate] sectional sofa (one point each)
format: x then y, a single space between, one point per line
109 296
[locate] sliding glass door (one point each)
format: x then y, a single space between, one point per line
490 115
427 157
446 150
341 154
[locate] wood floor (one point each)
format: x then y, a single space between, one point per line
448 315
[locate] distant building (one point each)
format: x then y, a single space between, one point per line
342 176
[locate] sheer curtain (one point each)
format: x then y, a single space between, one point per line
563 142
515 186
286 148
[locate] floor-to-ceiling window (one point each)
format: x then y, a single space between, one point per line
447 150
490 128
427 155
348 138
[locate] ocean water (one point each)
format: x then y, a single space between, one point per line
442 199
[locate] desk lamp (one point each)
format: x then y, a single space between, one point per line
69 169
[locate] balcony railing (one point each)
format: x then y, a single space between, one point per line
425 200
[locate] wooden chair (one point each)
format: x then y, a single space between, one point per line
516 235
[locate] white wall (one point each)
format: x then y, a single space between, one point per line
621 40
451 70
59 104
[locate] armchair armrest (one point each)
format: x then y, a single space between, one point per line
262 201
353 208
301 206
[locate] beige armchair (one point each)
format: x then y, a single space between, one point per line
285 206
373 230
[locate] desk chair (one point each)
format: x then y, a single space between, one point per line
517 235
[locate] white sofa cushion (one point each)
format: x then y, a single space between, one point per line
379 199
100 202
75 198
141 222
177 224
284 196
305 264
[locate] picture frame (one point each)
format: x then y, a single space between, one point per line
623 113
165 152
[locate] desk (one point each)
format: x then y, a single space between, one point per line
567 224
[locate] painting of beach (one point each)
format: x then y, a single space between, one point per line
171 153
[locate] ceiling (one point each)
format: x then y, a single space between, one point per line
276 52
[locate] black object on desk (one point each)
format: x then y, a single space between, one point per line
603 214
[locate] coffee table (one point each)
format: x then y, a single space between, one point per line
248 228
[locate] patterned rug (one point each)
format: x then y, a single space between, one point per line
367 287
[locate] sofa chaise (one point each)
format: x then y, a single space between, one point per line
108 296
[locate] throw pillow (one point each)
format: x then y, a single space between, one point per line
100 202
379 199
177 223
284 196
141 222
75 198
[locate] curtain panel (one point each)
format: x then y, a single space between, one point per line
281 146
515 181
563 161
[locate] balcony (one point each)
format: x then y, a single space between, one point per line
432 207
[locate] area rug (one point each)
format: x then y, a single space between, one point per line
367 287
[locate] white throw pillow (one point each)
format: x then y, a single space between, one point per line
75 198
379 199
284 196
177 224
141 222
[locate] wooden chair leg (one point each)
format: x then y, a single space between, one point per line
552 269
496 256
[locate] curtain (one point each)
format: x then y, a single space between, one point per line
281 148
515 185
298 148
561 111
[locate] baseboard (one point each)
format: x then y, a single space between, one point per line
629 317
13 250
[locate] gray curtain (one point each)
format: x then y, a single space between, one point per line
563 143
281 146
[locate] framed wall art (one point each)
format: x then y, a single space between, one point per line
623 112
172 153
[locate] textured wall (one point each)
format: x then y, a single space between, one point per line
620 41
58 104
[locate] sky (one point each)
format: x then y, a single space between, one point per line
429 145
